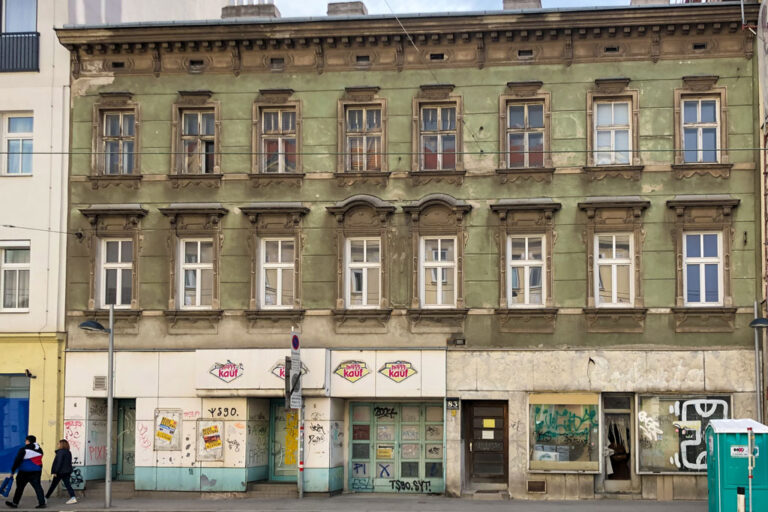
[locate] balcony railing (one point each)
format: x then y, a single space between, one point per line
19 51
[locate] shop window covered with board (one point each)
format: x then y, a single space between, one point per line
564 432
397 448
671 431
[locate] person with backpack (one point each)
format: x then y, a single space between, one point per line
61 469
29 464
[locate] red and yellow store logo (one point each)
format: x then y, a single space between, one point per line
398 371
352 371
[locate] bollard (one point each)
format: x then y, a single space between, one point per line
741 501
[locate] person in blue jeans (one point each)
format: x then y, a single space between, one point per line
29 464
61 469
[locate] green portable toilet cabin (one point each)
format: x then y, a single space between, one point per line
728 461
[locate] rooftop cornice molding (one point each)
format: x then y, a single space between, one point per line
370 31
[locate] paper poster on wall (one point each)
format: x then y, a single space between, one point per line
167 429
209 443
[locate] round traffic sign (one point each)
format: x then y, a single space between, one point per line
295 342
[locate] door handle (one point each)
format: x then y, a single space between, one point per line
470 446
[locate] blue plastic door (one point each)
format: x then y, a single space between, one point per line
14 417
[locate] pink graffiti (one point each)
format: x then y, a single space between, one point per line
144 436
97 454
191 415
71 430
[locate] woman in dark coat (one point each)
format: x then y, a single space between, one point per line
61 469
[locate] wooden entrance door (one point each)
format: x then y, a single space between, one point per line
485 436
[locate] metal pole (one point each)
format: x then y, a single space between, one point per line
110 378
301 452
758 373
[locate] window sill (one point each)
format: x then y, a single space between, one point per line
185 180
628 172
705 319
423 177
716 170
526 319
193 321
348 178
512 174
275 315
105 180
264 179
25 175
11 311
615 319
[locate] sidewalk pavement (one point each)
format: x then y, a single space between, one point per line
369 503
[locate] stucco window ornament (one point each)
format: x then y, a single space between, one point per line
276 243
701 129
196 144
614 238
525 239
362 132
438 239
437 127
612 130
195 242
524 130
114 243
703 235
277 139
116 143
363 241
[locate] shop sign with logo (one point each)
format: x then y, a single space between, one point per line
398 371
279 370
228 371
352 371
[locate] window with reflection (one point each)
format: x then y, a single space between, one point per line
613 269
363 276
198 142
525 135
438 137
364 136
277 272
116 273
118 141
196 273
612 132
278 140
438 272
525 279
701 129
703 269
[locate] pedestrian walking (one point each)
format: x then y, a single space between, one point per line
61 469
29 464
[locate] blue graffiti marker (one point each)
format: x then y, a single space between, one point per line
384 470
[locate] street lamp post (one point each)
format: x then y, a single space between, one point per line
758 323
94 326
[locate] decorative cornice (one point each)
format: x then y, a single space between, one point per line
295 209
436 91
700 82
717 170
681 202
611 85
379 205
629 172
93 212
538 174
634 202
543 204
526 88
361 92
451 202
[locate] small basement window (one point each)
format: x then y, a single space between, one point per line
117 64
524 54
436 56
363 59
611 49
699 46
277 63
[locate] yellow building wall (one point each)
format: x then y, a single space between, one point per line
41 354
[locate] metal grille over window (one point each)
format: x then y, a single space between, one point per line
198 142
197 273
119 141
363 273
277 273
612 133
18 146
700 131
438 138
117 272
14 279
364 136
525 135
278 145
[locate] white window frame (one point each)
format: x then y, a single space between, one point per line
364 133
281 136
701 261
699 126
6 136
360 265
613 128
613 263
16 244
434 266
440 133
119 266
525 131
198 267
200 138
263 266
526 265
120 139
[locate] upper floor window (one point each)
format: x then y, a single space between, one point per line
525 135
16 131
116 273
612 132
196 273
278 140
119 141
701 129
277 272
364 136
613 269
14 276
703 268
525 279
19 15
198 142
438 272
363 276
438 137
